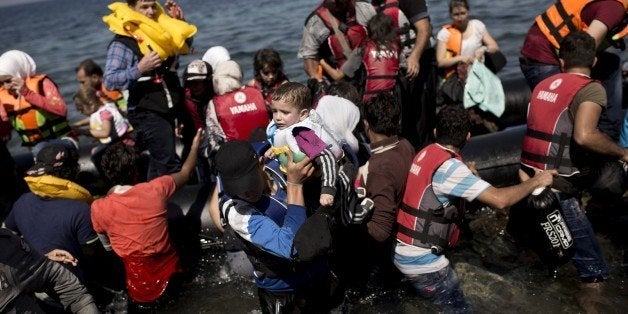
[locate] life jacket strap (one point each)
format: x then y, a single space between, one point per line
546 136
426 214
380 77
548 160
567 21
423 238
378 91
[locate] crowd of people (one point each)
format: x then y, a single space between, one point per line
351 180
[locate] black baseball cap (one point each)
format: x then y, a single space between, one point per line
238 167
51 158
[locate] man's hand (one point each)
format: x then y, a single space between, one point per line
174 10
479 53
413 67
14 86
196 142
545 178
62 256
624 158
178 131
297 173
149 62
326 200
466 59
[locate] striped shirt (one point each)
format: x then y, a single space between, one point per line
453 179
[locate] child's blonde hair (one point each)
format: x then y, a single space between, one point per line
87 99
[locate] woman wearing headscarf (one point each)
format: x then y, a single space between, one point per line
235 112
32 103
215 55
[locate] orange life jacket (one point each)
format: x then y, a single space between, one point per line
114 96
564 17
33 124
454 46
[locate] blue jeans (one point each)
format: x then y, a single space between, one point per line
607 71
623 138
535 73
443 289
588 257
157 136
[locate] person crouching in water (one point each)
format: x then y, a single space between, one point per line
105 121
267 227
437 179
269 75
133 218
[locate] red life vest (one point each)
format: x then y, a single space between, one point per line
354 33
405 30
423 220
547 142
240 112
381 69
268 92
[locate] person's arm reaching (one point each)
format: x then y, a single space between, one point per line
263 231
62 256
214 211
182 177
34 272
334 73
598 31
311 68
296 174
587 135
501 198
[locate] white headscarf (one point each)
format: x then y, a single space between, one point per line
216 55
227 77
341 116
17 64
